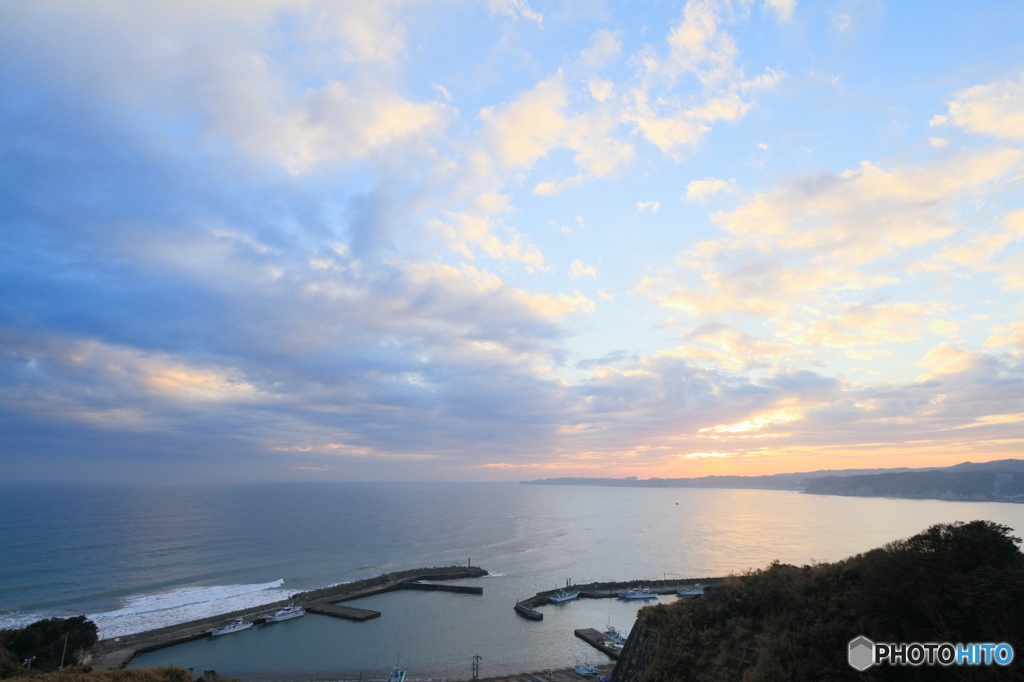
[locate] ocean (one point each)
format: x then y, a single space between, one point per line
137 557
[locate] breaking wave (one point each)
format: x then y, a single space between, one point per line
150 611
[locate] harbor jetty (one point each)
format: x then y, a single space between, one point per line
109 654
599 641
528 607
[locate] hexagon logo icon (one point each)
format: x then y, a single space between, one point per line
862 653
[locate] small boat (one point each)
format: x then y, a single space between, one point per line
614 635
637 593
237 626
285 614
690 590
587 670
563 595
397 673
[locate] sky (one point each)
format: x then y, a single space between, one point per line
502 240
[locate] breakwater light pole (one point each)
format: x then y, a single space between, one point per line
476 666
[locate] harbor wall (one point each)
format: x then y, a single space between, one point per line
637 654
117 652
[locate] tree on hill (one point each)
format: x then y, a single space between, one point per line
958 583
46 642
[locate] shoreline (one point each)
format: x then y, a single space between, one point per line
115 653
532 674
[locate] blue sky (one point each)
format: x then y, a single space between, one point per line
506 239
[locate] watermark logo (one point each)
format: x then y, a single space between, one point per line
863 653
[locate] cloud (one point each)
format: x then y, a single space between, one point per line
601 90
163 65
516 9
579 269
605 44
995 109
266 241
538 122
702 455
698 190
478 230
946 359
783 8
1011 335
696 47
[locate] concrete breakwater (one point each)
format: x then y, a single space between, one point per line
608 590
114 653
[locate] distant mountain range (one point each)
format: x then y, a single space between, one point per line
1002 481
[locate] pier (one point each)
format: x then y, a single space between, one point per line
599 641
526 612
109 654
339 611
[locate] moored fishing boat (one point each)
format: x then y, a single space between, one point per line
614 635
237 626
637 593
397 673
563 595
690 590
286 614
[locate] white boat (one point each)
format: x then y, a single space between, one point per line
563 595
637 593
690 590
237 626
397 673
285 614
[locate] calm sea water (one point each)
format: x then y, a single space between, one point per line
143 556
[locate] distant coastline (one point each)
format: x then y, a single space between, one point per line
999 481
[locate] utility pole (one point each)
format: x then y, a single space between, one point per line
64 651
476 666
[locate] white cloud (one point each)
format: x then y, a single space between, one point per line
579 269
697 47
995 109
516 9
538 122
600 90
479 229
1010 335
644 205
605 44
698 190
334 125
783 8
530 127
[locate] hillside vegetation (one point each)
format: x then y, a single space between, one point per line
47 643
961 582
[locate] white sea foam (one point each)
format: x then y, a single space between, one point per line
151 611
